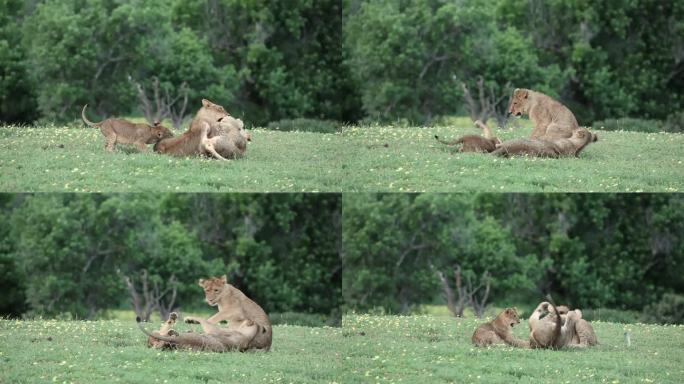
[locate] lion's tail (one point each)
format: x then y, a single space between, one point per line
454 142
88 122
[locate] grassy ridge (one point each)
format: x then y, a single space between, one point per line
436 349
68 159
401 159
114 351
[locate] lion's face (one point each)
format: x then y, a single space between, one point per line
160 132
518 105
211 111
213 288
512 317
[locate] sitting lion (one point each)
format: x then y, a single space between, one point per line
119 131
230 141
499 331
248 325
551 119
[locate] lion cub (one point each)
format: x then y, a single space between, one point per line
499 331
119 131
229 142
554 148
583 333
248 325
475 143
551 330
551 119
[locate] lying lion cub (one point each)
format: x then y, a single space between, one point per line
248 325
499 331
475 143
230 141
560 147
119 131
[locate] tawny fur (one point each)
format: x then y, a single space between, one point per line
499 331
214 339
548 329
238 310
475 143
230 141
554 148
551 119
119 131
583 335
188 143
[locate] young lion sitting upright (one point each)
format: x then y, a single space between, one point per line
248 325
551 119
119 131
499 331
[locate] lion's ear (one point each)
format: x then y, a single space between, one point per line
201 282
206 103
224 279
522 93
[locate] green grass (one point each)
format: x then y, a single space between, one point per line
437 349
114 351
359 159
401 159
73 159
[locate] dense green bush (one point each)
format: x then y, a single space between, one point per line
611 315
305 125
669 310
675 123
69 253
594 251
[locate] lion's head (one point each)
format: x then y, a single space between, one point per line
159 132
519 102
211 111
213 289
511 316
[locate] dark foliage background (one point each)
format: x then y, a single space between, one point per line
67 253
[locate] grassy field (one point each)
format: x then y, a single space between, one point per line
437 349
114 351
401 159
73 159
359 159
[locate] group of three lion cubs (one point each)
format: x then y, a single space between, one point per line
557 329
556 132
213 133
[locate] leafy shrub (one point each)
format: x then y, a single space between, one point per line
629 124
305 125
611 315
669 310
675 122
